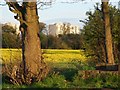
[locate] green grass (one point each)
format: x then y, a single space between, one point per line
64 70
66 62
55 80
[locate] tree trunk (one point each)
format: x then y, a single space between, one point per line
108 35
103 52
34 67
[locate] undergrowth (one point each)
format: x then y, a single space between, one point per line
58 80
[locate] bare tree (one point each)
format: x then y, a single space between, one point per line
65 28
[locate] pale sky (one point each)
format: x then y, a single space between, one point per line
58 12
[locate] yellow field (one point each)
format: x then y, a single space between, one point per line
50 55
63 55
7 55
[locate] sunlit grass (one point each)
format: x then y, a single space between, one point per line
8 55
65 70
64 55
50 55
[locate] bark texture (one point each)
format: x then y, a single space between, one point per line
108 35
34 66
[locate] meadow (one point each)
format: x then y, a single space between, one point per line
65 70
55 55
51 56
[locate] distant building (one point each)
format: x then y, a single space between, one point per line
63 28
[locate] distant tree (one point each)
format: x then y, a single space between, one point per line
8 28
9 37
72 40
56 43
67 41
65 28
44 40
42 26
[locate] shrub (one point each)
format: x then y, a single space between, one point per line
52 81
13 73
110 80
103 80
78 82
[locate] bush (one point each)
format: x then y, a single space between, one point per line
78 82
110 81
13 73
52 81
55 80
103 80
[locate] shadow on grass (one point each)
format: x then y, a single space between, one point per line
69 73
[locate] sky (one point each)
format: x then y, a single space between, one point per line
57 12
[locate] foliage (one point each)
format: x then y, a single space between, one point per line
101 80
42 26
78 82
94 37
51 42
9 37
56 43
8 29
10 86
44 40
66 41
52 81
56 80
72 40
105 80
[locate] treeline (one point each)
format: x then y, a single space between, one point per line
10 39
67 41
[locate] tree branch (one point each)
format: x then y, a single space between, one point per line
17 9
14 4
45 3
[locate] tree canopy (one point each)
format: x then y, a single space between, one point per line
94 35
